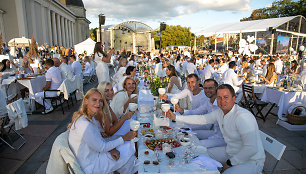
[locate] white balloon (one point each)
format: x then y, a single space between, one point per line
241 50
250 39
253 47
291 49
242 43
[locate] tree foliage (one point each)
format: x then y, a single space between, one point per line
280 8
93 34
32 50
175 35
1 44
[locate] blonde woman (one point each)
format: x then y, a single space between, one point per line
123 98
120 70
93 152
271 76
112 124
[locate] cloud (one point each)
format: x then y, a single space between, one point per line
156 10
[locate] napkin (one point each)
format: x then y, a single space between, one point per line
206 162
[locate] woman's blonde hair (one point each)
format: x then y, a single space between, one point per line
124 85
121 62
102 85
84 112
270 70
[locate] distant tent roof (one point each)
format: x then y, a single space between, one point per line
246 26
87 45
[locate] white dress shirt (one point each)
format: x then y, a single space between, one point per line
54 76
279 66
87 70
191 69
240 132
195 100
76 67
231 78
208 72
223 68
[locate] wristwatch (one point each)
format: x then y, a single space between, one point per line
228 162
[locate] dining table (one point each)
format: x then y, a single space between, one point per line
156 161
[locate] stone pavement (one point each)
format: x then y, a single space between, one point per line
45 128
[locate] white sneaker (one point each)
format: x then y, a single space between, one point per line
47 110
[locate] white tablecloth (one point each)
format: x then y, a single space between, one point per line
34 85
70 85
283 99
145 98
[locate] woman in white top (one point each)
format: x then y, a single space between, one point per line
123 98
120 70
112 124
87 68
93 152
271 76
174 85
101 58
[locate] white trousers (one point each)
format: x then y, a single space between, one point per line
251 167
239 95
39 98
208 140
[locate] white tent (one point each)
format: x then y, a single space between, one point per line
87 45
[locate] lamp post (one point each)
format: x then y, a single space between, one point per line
161 28
101 22
302 55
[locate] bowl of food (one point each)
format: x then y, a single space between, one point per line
185 141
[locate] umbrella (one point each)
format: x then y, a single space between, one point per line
19 42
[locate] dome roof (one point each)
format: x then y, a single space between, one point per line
78 3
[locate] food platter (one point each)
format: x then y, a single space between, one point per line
157 143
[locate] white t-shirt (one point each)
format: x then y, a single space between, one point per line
54 75
76 67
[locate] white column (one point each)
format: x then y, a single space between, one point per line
54 33
33 20
59 35
49 26
149 40
63 31
44 23
134 43
271 45
21 19
73 34
2 32
66 33
111 38
70 33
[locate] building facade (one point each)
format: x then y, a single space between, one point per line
52 22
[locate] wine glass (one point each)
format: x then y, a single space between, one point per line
174 101
134 126
165 107
162 91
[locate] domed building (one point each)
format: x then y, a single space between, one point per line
52 22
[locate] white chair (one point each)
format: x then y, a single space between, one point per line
273 147
62 160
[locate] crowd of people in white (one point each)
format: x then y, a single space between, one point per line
209 89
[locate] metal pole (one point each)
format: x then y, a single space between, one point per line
160 41
100 33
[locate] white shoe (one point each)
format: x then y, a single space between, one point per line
47 110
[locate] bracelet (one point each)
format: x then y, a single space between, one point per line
228 162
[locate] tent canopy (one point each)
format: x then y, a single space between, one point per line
87 45
246 26
21 41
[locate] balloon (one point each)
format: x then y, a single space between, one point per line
253 47
242 43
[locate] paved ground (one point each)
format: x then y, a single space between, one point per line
43 129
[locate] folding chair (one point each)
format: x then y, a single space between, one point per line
273 147
7 124
251 101
54 100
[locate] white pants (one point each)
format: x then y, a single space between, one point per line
39 98
208 140
251 167
239 95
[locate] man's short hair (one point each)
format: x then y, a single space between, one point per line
232 64
129 69
229 87
49 62
212 80
73 56
211 61
193 75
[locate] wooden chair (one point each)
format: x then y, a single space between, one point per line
251 101
273 147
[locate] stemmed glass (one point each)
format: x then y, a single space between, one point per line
134 126
165 107
174 101
162 91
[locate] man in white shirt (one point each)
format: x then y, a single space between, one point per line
194 92
53 82
208 70
76 66
158 67
231 78
65 70
208 137
278 65
244 152
191 68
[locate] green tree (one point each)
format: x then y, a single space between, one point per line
93 34
280 8
175 35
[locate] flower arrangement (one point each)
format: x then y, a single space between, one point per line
157 82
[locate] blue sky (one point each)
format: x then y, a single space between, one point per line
196 14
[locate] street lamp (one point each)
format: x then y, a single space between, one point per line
161 28
101 22
302 55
